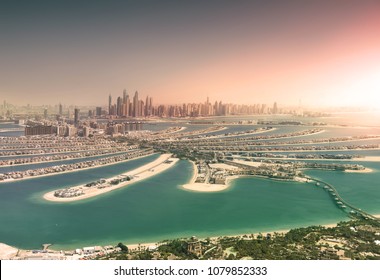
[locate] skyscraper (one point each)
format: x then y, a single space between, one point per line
147 106
136 105
275 109
127 102
119 107
124 95
76 116
109 104
98 111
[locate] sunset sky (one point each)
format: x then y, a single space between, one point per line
319 52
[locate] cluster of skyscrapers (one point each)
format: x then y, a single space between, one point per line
127 107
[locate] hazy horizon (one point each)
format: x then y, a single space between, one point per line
322 53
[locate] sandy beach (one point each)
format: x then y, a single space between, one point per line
248 163
143 246
223 166
239 135
7 252
368 158
203 187
148 170
365 170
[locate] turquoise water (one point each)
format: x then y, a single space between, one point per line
360 189
158 208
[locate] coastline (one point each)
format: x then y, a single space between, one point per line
365 170
62 160
8 252
204 187
361 159
146 245
69 171
139 174
240 135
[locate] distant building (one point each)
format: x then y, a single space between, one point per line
98 111
136 105
194 246
86 131
40 130
109 104
60 109
71 131
76 116
275 109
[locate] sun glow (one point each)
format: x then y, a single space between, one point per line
363 91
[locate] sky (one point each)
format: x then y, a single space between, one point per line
323 53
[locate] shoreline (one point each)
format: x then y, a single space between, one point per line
239 135
361 159
69 171
8 251
295 151
204 187
139 174
323 142
365 170
11 251
59 160
142 245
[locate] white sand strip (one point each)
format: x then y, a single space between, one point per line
365 170
204 187
148 170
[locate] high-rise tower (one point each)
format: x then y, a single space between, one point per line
76 116
136 105
124 95
109 104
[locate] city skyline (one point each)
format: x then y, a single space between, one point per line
242 52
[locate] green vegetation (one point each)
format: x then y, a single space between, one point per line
122 247
355 239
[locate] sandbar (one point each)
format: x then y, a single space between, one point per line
368 158
365 170
143 172
205 187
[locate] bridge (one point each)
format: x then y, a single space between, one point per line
340 201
